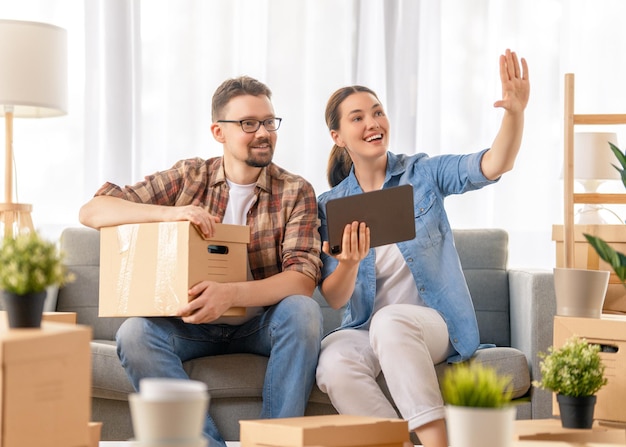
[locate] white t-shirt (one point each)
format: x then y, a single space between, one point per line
394 281
240 200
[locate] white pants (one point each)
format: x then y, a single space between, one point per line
404 342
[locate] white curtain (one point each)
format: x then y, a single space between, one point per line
153 67
142 75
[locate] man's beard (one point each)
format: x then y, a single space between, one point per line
260 161
257 163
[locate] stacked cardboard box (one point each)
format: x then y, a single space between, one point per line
45 377
327 431
610 333
147 269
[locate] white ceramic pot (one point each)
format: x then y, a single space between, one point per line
169 421
580 292
484 427
169 412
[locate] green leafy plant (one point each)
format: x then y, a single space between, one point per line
614 258
575 369
30 264
472 384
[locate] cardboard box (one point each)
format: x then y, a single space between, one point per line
585 257
552 430
610 332
94 429
60 317
45 395
57 317
329 431
146 269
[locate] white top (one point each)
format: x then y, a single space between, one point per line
394 282
240 200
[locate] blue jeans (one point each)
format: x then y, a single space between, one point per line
289 333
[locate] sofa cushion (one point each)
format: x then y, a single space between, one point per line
483 255
223 374
109 380
507 361
81 248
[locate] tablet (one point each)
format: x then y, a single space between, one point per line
387 212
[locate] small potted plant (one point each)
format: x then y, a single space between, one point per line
478 405
574 372
29 265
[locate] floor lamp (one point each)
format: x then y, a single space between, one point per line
33 84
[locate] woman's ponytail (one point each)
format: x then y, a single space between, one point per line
339 165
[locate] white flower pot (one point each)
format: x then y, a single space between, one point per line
580 292
484 427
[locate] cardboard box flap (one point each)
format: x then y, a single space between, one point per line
552 430
328 430
15 345
231 233
608 327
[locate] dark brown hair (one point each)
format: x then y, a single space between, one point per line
339 161
231 88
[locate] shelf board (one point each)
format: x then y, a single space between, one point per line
600 198
600 118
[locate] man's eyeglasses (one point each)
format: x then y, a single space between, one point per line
251 126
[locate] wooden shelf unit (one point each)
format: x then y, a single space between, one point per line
570 198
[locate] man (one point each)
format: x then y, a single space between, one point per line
242 187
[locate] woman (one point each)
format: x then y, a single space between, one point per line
408 306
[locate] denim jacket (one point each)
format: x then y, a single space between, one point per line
431 256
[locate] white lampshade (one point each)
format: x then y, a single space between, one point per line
593 164
33 69
593 158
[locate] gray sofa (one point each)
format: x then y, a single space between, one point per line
515 311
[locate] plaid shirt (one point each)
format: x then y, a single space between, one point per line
283 219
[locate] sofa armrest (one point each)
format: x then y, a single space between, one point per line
533 306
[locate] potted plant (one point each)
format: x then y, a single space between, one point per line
615 259
29 265
478 405
574 372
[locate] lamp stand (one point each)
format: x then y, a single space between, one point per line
15 216
589 214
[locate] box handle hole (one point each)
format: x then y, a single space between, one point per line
610 349
217 249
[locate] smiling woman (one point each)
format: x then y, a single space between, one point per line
412 291
141 75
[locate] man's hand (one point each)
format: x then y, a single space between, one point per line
198 216
211 300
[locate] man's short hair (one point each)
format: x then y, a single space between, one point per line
231 88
